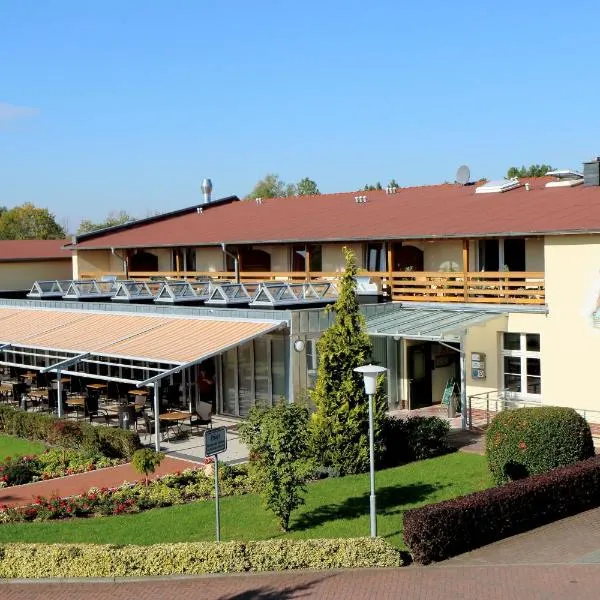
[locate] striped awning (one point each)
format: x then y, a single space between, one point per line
429 323
159 339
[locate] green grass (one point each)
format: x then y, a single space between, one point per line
13 446
334 508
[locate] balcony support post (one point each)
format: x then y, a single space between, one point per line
465 261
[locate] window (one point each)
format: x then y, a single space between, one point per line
496 254
376 259
312 363
253 372
521 363
315 257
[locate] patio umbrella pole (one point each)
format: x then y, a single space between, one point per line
156 416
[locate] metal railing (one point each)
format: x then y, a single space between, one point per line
482 407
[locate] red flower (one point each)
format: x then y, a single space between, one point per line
522 445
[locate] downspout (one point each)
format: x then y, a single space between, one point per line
235 261
123 260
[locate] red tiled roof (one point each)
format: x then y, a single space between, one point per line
21 250
421 212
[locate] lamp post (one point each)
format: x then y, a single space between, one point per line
370 373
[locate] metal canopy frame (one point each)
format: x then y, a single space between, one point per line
56 288
207 355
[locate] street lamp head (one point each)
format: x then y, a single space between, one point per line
369 373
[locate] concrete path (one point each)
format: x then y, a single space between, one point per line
71 485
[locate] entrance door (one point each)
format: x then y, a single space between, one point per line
419 375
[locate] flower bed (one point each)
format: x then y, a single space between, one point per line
52 463
180 488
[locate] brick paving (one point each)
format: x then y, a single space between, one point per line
82 482
560 560
414 583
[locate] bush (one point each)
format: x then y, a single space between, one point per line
91 560
17 470
190 485
439 531
112 442
278 440
529 441
414 438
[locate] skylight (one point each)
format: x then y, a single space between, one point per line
565 178
498 186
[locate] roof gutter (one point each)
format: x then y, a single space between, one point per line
235 261
123 260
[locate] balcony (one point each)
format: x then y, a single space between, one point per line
500 287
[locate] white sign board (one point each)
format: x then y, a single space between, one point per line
215 441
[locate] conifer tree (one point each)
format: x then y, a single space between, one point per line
340 424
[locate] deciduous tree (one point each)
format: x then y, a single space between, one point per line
307 187
27 222
280 464
113 219
531 171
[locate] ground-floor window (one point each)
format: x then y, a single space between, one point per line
312 364
253 373
522 363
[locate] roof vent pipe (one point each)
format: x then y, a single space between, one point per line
206 187
235 261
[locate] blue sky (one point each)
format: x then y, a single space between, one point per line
110 105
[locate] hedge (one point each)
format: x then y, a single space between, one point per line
529 441
414 438
89 560
110 441
438 531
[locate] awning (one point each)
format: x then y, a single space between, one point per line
428 323
150 338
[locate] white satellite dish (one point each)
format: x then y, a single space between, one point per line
463 174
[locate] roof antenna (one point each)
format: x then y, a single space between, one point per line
463 174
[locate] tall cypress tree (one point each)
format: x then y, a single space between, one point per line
340 424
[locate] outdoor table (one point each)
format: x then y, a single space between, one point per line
63 380
97 386
138 392
174 417
77 402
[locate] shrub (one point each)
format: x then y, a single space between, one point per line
111 441
528 441
190 485
414 438
278 440
17 470
146 460
92 560
439 531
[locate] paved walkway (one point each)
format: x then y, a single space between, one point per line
560 560
78 484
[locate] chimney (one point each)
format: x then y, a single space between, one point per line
206 190
591 172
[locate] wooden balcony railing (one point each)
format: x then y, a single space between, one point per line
500 287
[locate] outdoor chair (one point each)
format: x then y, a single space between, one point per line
202 416
138 407
149 423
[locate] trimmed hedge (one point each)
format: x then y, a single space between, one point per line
89 560
110 441
414 438
438 531
529 441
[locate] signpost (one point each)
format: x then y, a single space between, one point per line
215 442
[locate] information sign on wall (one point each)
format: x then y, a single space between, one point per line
477 365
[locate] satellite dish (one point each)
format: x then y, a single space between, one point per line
463 174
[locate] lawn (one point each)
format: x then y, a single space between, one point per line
334 508
13 446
